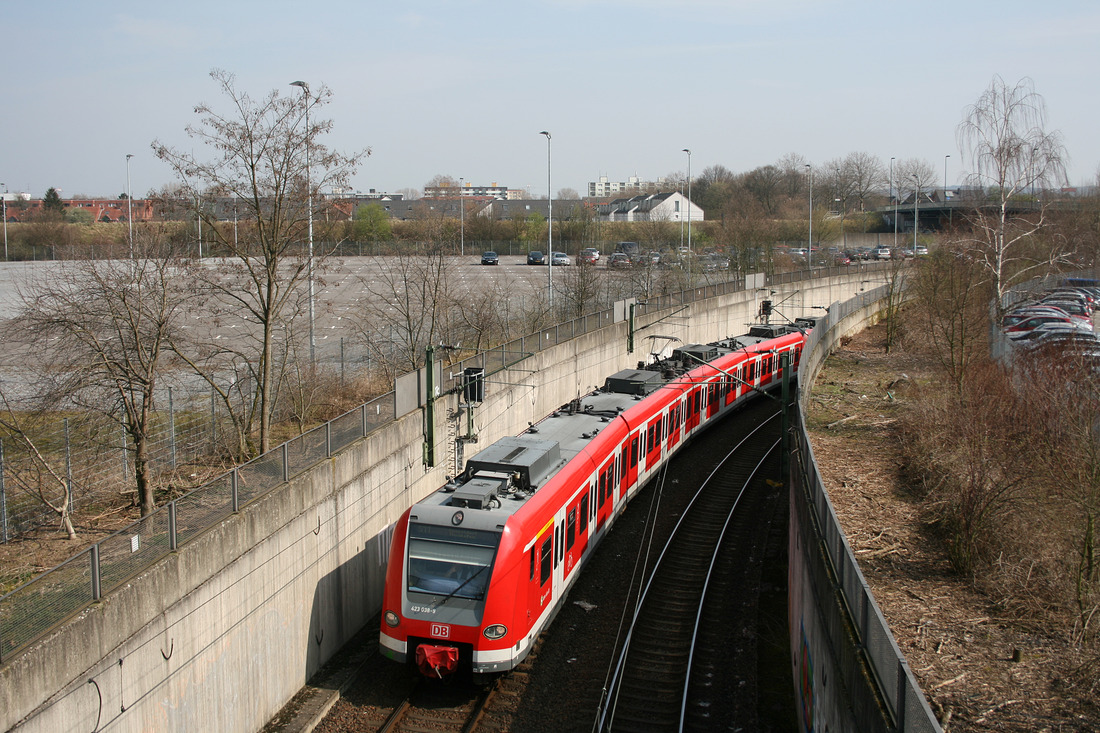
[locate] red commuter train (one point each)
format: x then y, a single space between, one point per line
478 568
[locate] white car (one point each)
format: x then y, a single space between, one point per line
557 259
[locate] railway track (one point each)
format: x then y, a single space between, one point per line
686 655
567 682
439 708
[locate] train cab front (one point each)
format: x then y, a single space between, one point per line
437 582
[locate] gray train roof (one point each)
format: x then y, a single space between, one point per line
498 480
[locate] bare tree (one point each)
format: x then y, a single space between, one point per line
258 162
863 174
411 307
953 308
104 327
31 469
1012 157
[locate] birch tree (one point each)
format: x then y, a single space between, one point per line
1012 159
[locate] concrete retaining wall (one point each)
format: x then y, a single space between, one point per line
224 632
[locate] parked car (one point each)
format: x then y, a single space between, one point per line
1074 308
560 259
1011 319
536 258
1058 335
842 258
618 259
589 256
881 252
1017 330
489 258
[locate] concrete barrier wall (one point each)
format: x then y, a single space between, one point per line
224 632
849 673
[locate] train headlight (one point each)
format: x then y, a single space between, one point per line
495 631
392 619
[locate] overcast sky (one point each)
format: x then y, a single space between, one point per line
463 88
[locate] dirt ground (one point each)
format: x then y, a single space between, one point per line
979 671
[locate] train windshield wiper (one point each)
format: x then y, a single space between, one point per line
452 594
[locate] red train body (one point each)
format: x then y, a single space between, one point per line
478 568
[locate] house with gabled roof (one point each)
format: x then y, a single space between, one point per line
671 206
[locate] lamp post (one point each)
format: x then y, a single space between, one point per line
944 191
5 205
129 210
309 213
689 199
895 202
810 243
549 228
916 212
682 216
461 221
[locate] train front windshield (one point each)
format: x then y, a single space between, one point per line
450 561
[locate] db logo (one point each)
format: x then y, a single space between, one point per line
441 631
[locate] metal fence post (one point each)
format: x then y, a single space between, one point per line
171 430
899 701
213 421
328 439
235 491
125 455
286 462
96 590
3 497
173 540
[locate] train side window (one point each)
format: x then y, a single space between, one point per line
603 487
532 562
634 452
584 514
571 528
547 559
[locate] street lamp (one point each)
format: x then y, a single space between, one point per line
309 213
461 221
5 204
810 244
549 228
895 202
689 199
129 207
944 192
916 212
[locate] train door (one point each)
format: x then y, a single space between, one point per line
605 492
675 418
540 558
571 550
693 402
583 514
653 443
629 462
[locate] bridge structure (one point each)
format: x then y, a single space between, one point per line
935 212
